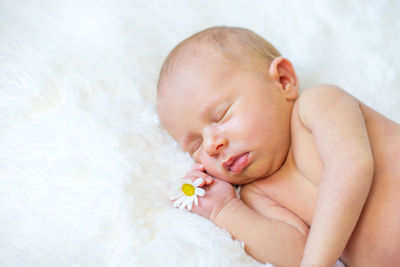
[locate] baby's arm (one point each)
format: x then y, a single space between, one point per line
270 233
337 124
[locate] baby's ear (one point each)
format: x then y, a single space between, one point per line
281 70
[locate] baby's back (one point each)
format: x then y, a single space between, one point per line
376 238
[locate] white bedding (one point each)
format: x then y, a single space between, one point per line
85 168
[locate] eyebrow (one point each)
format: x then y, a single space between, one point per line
210 105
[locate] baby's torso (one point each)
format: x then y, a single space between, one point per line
295 187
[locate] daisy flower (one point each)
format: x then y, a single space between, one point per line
187 192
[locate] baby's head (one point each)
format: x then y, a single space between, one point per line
226 96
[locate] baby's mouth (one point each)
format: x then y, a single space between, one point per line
236 163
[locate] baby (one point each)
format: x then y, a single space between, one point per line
320 172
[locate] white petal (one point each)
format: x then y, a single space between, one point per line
177 184
190 203
200 192
176 195
178 201
184 203
186 181
196 202
198 182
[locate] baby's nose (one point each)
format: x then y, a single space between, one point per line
216 145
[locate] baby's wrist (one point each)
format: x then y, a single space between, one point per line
225 211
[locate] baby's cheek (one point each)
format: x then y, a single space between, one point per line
212 169
222 175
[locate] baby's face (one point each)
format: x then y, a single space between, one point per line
232 118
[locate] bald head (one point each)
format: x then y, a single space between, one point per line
230 44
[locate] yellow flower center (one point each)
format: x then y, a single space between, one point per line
188 189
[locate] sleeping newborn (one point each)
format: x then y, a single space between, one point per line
319 171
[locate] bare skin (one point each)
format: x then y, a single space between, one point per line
320 171
376 238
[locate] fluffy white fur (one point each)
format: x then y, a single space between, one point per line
85 167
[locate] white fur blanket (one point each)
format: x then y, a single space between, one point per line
85 168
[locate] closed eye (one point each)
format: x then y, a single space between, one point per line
196 146
223 112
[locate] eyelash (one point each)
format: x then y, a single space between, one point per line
220 117
196 147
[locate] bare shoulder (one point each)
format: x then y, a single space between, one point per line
321 99
323 92
253 197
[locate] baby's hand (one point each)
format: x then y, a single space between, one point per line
218 192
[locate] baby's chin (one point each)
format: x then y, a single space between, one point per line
238 179
248 175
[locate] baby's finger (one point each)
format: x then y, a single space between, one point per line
198 167
208 179
193 175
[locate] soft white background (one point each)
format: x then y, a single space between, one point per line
85 168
